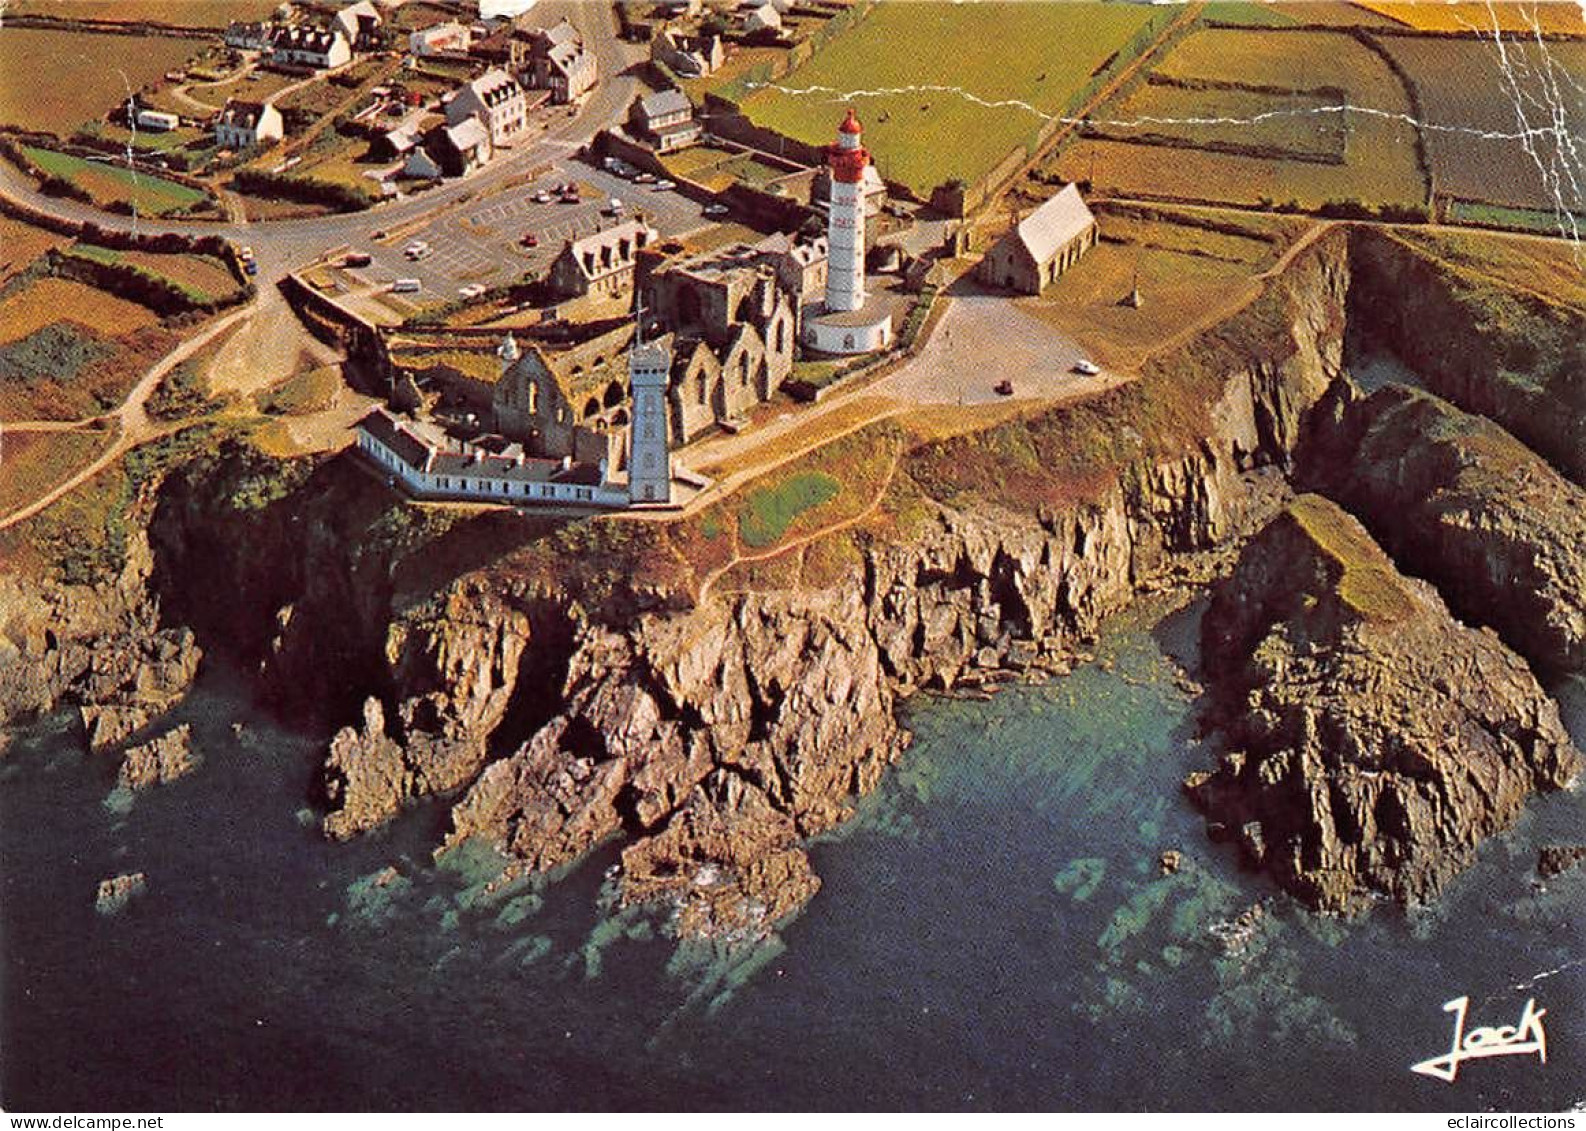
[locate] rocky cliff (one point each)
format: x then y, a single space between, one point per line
1491 347
716 734
1373 740
1457 500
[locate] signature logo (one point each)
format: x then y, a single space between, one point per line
1520 1039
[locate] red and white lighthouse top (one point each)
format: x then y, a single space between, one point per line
847 159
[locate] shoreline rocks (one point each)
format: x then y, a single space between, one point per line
1372 740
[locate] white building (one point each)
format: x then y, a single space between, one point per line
244 124
848 322
430 464
448 39
496 99
559 62
318 49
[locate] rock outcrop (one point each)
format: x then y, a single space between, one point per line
1457 500
1372 740
158 761
116 892
99 647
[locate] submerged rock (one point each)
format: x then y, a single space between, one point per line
117 892
160 760
1556 859
1373 741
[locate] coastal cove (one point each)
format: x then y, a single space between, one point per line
994 931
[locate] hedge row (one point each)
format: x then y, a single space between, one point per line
165 297
309 190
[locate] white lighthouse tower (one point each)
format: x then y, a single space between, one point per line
845 223
649 452
849 321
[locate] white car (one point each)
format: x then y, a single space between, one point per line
714 210
418 249
472 290
542 197
663 186
1088 368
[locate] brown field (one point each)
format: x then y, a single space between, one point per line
33 462
1465 16
1460 84
85 72
1185 274
203 273
1380 166
46 301
183 13
21 244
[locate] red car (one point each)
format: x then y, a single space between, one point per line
530 240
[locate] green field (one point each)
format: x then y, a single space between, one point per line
1045 54
769 511
108 183
1300 126
87 74
185 13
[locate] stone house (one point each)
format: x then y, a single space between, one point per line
665 121
688 56
601 263
1041 246
315 48
559 62
244 124
496 100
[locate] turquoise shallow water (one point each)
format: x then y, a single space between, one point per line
993 932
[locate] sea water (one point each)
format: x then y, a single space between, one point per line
995 930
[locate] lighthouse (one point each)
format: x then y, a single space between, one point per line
849 321
845 223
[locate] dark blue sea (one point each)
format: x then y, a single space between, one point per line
994 932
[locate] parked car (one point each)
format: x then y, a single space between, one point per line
418 249
715 210
407 286
614 208
644 179
378 234
1088 368
472 290
663 186
530 240
355 259
1003 388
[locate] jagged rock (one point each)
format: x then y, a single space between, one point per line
1556 859
1374 741
117 892
367 779
1170 861
160 760
1457 500
109 727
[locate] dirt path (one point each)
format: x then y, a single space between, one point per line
135 426
804 540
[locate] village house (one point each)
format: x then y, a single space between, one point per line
249 35
242 125
559 62
1041 246
462 148
764 19
602 263
447 40
665 121
496 100
688 56
360 23
313 48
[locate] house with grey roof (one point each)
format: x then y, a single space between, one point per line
244 124
559 62
602 263
665 121
496 99
1041 246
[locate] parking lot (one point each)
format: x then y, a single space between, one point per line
481 242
